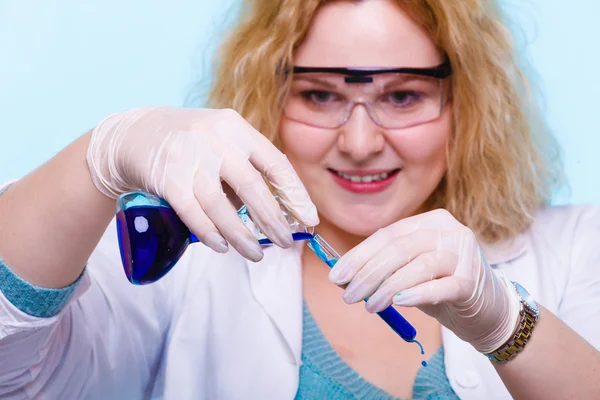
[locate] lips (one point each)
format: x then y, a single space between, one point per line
365 181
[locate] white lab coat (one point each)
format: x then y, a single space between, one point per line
218 327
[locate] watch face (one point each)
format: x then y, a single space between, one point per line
527 298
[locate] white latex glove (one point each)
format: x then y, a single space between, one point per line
433 262
183 154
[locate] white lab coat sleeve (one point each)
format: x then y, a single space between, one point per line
105 343
30 347
580 305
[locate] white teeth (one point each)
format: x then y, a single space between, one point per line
366 178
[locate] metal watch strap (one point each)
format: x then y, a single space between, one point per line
528 317
518 341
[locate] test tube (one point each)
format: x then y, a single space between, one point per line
390 315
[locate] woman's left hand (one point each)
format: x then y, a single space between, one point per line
433 262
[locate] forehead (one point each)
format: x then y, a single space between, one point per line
367 33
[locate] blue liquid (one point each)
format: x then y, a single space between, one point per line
423 363
150 252
295 236
420 345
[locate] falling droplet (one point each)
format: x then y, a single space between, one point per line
423 363
420 345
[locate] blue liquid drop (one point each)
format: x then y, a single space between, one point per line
423 363
420 345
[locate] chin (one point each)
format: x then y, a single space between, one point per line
360 223
359 230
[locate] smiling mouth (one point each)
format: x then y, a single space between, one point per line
365 178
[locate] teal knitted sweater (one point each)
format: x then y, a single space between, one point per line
324 375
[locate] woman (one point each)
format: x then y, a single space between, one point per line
393 159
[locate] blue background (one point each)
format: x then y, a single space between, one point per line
66 64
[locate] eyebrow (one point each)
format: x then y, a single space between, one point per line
402 79
329 85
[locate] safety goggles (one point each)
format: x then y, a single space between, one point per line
394 98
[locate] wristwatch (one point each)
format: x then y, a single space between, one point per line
529 315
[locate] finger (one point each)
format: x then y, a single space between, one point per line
350 263
436 220
450 289
277 169
439 219
384 248
426 267
386 261
192 216
250 187
209 193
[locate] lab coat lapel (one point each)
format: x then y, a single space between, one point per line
276 282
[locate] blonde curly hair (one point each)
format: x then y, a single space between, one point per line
502 162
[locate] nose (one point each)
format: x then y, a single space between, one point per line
360 138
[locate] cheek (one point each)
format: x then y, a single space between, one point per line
307 149
424 147
304 146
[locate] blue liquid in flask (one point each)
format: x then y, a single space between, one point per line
152 240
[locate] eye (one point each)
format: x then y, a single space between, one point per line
403 98
320 97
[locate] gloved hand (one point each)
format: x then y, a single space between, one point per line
433 262
182 155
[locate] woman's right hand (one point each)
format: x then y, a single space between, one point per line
182 155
